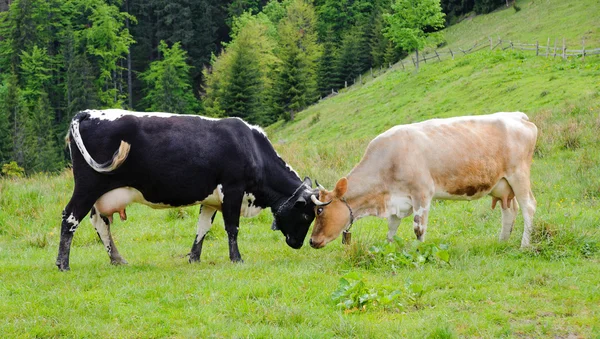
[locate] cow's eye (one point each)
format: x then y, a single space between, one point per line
319 210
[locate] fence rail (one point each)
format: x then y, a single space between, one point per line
556 49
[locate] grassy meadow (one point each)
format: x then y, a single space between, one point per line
489 289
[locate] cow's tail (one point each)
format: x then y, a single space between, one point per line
117 159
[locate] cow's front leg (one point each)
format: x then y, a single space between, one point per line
232 203
421 212
205 220
102 226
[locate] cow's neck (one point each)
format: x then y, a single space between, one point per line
280 184
365 198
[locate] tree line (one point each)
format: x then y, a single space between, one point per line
255 59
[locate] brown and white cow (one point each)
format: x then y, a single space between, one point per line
461 158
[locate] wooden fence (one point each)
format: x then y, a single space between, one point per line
558 48
550 49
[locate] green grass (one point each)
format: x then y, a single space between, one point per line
537 21
490 289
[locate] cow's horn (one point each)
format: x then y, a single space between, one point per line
319 185
319 203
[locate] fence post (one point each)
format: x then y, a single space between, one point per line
554 56
413 60
451 53
491 46
564 50
548 47
511 46
583 49
360 77
537 48
437 55
371 72
332 92
346 84
401 63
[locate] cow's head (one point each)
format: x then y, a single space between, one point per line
294 217
333 214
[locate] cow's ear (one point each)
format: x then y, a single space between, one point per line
307 182
341 187
274 226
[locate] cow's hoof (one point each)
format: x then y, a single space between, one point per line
63 268
118 261
193 260
237 261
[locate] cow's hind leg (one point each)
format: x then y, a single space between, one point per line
205 220
522 188
393 223
102 226
509 215
421 207
73 214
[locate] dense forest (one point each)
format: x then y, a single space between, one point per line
255 59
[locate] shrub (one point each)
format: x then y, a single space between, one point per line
13 170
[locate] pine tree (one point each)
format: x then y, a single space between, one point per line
240 80
40 150
108 41
168 82
5 131
327 69
296 86
241 93
79 90
348 61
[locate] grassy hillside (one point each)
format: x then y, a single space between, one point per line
490 289
538 20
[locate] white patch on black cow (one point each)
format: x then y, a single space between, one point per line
114 114
74 222
204 222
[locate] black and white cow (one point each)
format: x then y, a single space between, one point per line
166 160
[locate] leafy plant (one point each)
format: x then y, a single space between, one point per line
352 294
414 254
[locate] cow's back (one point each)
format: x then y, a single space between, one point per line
174 159
461 156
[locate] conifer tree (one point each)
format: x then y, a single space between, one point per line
40 148
5 132
297 77
240 81
168 82
108 40
348 61
327 69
